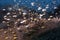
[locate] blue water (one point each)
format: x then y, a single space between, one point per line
42 3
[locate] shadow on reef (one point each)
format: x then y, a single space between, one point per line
50 35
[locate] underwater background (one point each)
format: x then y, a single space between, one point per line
37 5
34 4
